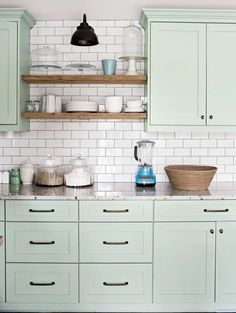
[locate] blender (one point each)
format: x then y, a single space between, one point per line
143 153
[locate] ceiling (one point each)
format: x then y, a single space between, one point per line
106 9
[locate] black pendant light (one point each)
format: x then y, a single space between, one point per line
84 35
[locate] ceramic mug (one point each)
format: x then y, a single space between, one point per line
109 66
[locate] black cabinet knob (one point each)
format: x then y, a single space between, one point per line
202 117
211 117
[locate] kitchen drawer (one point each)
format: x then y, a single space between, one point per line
195 210
116 242
42 242
40 210
2 263
42 283
112 211
113 283
1 210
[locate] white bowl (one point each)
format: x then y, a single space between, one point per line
134 103
113 104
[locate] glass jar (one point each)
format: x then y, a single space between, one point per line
80 174
50 173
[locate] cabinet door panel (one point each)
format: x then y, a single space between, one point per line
221 74
184 262
42 242
2 263
115 242
226 260
178 74
8 72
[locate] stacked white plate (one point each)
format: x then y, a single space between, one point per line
81 106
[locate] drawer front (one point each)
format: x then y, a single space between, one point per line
1 210
116 242
2 263
38 210
112 283
112 211
42 283
195 210
42 242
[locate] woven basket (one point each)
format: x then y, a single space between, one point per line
190 177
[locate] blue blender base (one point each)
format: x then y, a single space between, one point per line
145 176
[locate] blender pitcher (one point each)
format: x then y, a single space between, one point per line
143 153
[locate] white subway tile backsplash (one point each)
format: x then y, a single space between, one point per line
107 144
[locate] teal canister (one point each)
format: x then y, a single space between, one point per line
15 176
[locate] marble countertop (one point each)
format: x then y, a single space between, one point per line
119 191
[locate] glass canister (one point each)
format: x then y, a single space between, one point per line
15 176
80 174
50 172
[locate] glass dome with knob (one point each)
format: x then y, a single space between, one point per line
132 47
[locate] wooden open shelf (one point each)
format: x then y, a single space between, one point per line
85 79
84 116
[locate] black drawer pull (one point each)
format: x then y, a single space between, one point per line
42 242
1 241
42 284
115 211
216 211
115 284
41 211
115 242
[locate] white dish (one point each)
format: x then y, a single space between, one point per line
129 110
134 103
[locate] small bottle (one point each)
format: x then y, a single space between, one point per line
15 176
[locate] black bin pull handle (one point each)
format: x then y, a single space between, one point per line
42 284
115 242
115 284
41 211
42 242
115 211
216 211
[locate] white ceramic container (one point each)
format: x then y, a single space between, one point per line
113 104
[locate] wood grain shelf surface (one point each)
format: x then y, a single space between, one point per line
85 79
84 116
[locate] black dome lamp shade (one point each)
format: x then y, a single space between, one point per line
84 35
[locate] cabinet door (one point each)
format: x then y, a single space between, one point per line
184 262
225 262
177 74
221 74
8 72
2 263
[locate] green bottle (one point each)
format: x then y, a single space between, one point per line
15 176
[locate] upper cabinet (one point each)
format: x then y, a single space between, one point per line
191 69
15 28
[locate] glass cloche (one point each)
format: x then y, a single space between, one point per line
132 47
45 59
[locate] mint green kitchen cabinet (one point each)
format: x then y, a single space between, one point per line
116 283
2 263
226 260
191 69
178 74
184 262
42 283
42 242
221 74
15 28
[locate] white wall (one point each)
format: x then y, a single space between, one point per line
106 9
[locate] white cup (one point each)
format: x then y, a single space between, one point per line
50 104
113 104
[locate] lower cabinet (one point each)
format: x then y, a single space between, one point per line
2 263
226 262
116 283
184 262
42 283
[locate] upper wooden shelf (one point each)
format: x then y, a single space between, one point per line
85 79
85 116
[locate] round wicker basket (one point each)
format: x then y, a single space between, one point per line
190 177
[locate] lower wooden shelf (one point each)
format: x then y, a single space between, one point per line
84 116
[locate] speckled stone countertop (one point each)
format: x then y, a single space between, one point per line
119 191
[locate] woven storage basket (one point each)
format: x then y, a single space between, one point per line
190 177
